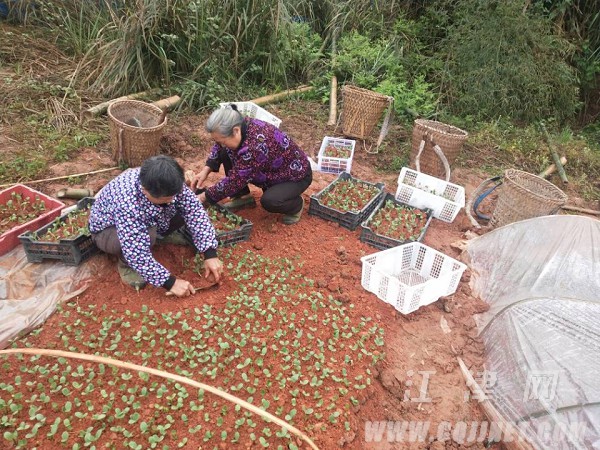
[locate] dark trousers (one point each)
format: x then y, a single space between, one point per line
284 198
108 241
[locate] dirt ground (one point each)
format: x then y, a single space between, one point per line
420 379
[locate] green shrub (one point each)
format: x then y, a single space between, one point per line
504 61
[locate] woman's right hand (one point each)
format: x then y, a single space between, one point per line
182 288
199 179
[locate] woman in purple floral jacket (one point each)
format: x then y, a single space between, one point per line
256 152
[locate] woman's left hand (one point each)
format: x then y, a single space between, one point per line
201 197
214 267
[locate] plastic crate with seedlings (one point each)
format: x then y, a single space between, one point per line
66 239
23 209
230 228
410 276
346 200
335 155
426 192
393 223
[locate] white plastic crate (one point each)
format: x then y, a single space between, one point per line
250 109
332 164
410 276
426 192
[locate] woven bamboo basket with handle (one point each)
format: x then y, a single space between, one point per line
362 110
449 138
135 131
524 196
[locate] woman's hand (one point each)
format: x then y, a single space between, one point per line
214 267
182 288
199 179
202 197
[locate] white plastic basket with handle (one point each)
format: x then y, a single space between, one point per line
426 192
250 109
410 276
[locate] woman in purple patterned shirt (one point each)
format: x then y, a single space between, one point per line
253 151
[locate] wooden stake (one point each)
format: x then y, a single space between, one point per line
333 102
559 166
281 95
552 168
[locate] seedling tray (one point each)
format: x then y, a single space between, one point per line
71 251
229 237
330 164
349 220
382 242
10 238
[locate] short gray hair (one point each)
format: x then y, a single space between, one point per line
224 120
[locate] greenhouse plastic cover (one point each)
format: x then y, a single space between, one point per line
541 278
29 292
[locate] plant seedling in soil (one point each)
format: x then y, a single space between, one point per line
223 220
349 195
18 210
333 151
399 222
70 227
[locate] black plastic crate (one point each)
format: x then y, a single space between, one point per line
349 220
229 237
70 251
382 242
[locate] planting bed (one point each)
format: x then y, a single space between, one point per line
98 406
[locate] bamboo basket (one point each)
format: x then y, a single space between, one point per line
524 196
449 138
362 110
135 131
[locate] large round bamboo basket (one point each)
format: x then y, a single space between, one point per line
524 196
361 111
449 138
135 131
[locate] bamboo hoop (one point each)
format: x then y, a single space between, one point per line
63 177
170 376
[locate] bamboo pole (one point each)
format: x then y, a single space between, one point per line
102 107
559 166
333 102
552 168
63 177
581 210
169 376
167 104
280 95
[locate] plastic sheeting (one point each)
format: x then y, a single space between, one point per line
29 293
541 278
